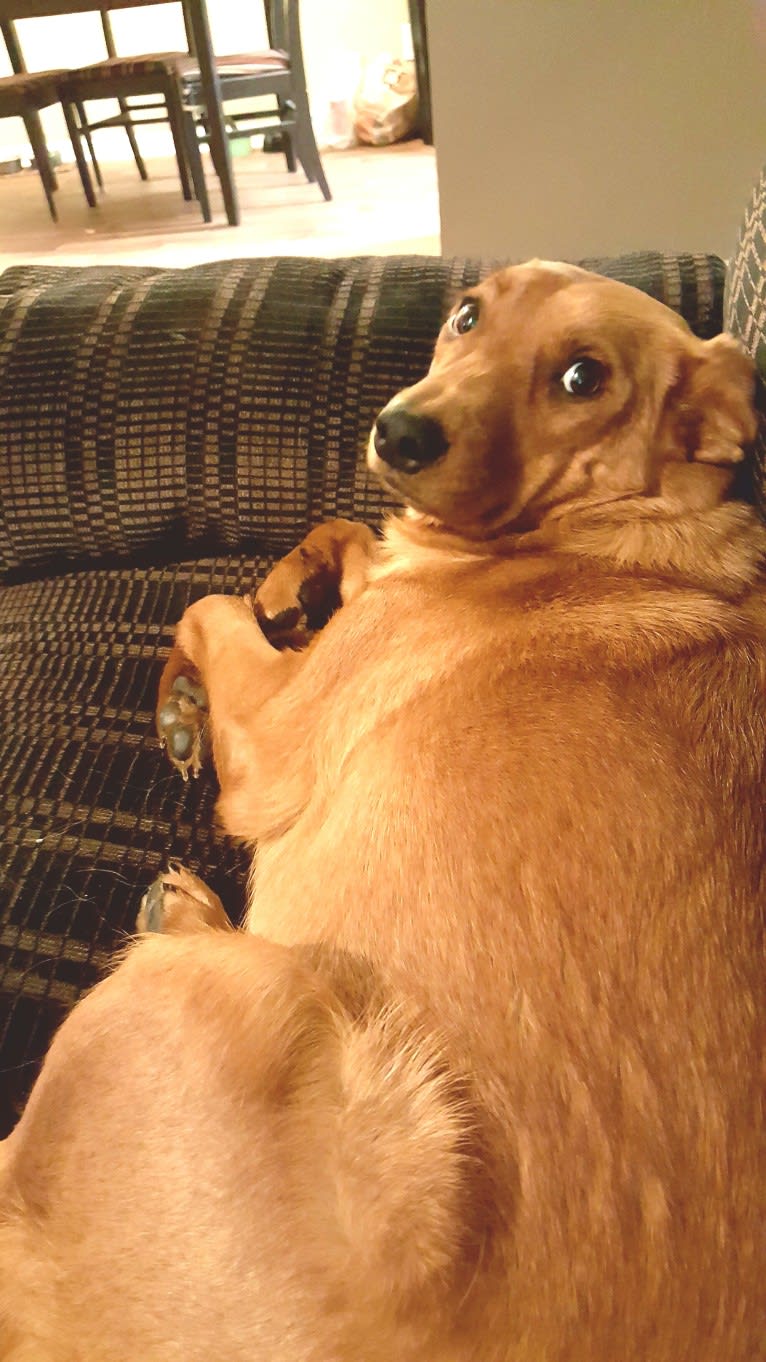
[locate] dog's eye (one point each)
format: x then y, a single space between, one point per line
584 378
466 317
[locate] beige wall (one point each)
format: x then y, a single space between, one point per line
573 127
336 34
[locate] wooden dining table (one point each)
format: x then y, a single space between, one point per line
198 25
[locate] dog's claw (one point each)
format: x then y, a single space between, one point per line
150 915
182 726
167 716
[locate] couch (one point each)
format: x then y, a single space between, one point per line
164 434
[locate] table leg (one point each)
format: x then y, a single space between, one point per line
417 10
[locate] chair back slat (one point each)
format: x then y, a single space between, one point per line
283 25
188 29
292 15
11 40
106 24
276 26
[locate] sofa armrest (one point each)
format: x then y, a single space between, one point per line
745 317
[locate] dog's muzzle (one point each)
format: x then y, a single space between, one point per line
406 441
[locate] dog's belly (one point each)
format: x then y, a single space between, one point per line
476 811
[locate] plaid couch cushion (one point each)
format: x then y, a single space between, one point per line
745 313
143 415
90 809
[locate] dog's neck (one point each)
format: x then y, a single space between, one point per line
721 548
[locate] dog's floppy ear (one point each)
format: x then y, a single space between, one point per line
716 402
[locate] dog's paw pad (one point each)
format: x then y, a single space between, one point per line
179 901
182 723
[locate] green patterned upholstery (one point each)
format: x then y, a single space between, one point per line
164 434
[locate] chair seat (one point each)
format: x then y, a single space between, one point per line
36 88
179 64
247 64
147 64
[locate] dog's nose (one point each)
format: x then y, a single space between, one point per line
407 441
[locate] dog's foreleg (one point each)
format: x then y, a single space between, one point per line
328 569
230 673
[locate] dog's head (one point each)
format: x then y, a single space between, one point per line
551 389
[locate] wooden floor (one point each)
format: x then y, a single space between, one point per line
385 201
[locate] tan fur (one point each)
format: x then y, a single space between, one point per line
483 1081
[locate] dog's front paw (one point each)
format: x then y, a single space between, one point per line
182 724
179 901
296 600
304 589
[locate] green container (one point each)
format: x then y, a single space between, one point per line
240 146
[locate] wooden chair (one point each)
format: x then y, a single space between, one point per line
127 116
120 78
277 72
113 78
198 30
176 78
417 11
23 96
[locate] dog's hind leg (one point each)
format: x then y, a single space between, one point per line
219 1160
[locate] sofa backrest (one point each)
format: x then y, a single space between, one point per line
147 413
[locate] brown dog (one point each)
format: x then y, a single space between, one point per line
482 1083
